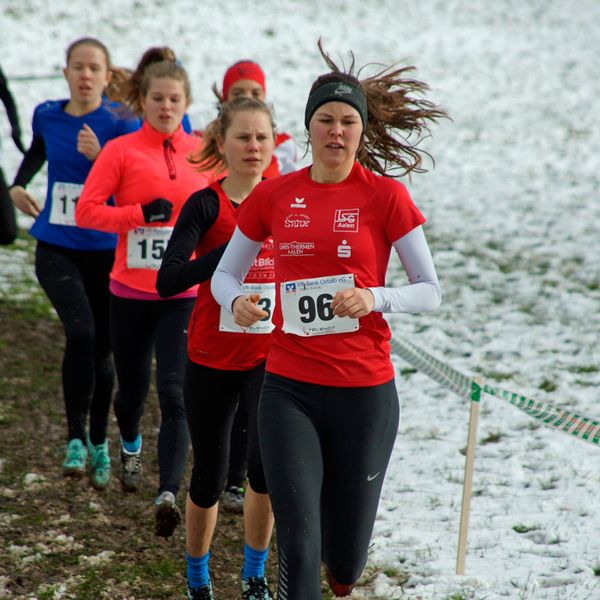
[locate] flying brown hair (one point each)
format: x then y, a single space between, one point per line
398 116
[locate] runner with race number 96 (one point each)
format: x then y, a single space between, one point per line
328 412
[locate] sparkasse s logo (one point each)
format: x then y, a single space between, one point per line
346 220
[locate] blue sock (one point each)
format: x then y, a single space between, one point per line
254 562
197 570
134 446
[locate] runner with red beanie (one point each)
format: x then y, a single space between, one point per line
328 413
246 78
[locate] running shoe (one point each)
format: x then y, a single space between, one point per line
200 593
167 515
99 466
233 499
131 470
256 588
339 590
75 458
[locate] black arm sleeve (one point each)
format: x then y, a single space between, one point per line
9 102
177 272
32 162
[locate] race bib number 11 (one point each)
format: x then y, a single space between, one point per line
306 306
64 200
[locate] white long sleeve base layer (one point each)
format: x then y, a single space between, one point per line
423 293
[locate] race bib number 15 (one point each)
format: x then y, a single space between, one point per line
146 247
306 306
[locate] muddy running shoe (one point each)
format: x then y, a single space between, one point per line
167 515
75 458
99 465
233 499
256 588
340 590
131 470
200 593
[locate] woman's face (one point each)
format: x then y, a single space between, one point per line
165 104
335 134
245 87
87 75
248 144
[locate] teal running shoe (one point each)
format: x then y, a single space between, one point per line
99 466
256 588
75 458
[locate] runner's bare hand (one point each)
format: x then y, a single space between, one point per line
24 201
245 311
353 303
87 142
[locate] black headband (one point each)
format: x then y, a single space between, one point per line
337 91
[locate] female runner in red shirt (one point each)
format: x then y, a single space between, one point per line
225 363
328 412
148 174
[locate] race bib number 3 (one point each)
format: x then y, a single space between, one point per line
306 306
146 247
64 200
266 302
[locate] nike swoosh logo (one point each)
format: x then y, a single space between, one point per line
371 477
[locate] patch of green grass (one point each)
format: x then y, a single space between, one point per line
550 483
584 369
521 528
408 371
493 437
498 375
548 386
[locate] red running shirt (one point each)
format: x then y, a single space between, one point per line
208 345
322 230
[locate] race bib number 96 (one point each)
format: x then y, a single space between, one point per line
266 291
146 247
306 306
64 200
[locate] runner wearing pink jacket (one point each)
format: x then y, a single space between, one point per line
149 177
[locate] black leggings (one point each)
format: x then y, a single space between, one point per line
8 219
140 328
238 444
76 283
325 452
211 398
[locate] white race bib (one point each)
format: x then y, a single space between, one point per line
146 247
64 199
306 306
266 302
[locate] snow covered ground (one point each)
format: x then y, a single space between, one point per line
513 224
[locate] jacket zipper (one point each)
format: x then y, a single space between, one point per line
169 149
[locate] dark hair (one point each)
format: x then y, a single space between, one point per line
398 119
128 89
89 41
209 157
165 69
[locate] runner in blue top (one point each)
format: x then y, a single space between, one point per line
72 264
